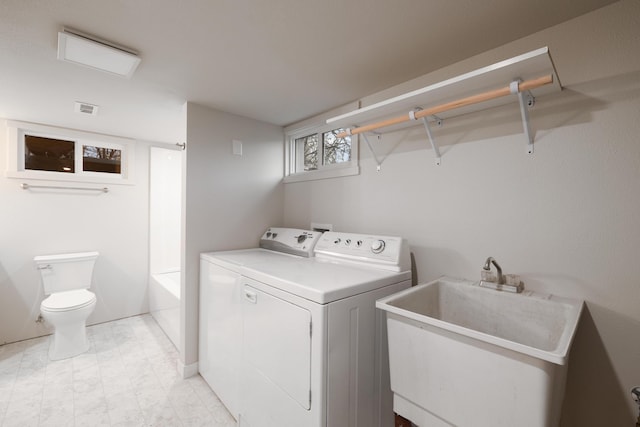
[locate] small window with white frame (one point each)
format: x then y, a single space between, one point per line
314 151
50 153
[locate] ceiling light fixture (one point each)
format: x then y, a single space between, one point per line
89 51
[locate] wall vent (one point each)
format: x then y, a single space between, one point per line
84 108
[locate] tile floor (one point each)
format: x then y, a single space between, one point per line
127 378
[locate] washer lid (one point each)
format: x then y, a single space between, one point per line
68 300
234 260
320 280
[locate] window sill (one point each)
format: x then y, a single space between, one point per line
322 174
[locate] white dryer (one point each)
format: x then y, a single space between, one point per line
220 318
313 344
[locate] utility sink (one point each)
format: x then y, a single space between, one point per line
462 355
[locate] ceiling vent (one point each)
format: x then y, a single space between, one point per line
84 108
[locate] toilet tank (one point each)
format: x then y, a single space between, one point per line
66 272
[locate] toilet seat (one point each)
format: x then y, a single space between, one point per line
68 300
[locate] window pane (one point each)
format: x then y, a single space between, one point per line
308 145
48 154
100 159
336 150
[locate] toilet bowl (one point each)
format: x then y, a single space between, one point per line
66 279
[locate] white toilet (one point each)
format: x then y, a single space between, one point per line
66 279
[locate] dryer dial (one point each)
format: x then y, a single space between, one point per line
377 246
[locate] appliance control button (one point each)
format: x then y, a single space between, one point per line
359 243
338 240
377 246
302 238
274 235
268 234
347 242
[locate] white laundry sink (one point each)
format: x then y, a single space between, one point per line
462 355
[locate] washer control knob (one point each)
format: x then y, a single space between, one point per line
359 243
302 238
377 246
347 242
338 240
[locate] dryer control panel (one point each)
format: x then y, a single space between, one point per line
290 240
386 252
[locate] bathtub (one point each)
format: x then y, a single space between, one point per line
164 303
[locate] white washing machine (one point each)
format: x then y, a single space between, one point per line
220 321
313 344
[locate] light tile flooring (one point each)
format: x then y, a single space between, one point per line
127 378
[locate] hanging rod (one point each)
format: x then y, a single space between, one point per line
475 99
26 186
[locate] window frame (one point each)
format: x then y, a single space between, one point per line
294 165
16 132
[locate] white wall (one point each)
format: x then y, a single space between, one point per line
37 222
229 200
566 218
165 209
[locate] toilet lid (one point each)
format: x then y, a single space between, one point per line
68 300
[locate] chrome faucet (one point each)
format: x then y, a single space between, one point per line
487 267
510 282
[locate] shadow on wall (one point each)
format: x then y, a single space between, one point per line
414 270
437 262
591 376
16 314
567 108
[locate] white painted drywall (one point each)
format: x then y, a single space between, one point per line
40 222
229 199
566 218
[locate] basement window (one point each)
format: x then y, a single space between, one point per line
49 154
44 152
316 152
101 159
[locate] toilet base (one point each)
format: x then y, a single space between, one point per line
68 341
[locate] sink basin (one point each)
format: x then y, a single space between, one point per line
465 355
538 325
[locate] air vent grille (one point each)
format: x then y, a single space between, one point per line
84 108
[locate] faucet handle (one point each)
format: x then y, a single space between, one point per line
488 276
512 279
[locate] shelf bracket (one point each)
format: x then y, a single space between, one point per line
524 103
427 128
373 153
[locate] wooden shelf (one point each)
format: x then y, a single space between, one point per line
499 84
531 65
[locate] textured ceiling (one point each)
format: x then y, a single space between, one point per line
278 61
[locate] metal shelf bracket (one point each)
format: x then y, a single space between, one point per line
526 100
436 150
427 128
373 153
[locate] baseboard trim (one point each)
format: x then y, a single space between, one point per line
187 371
